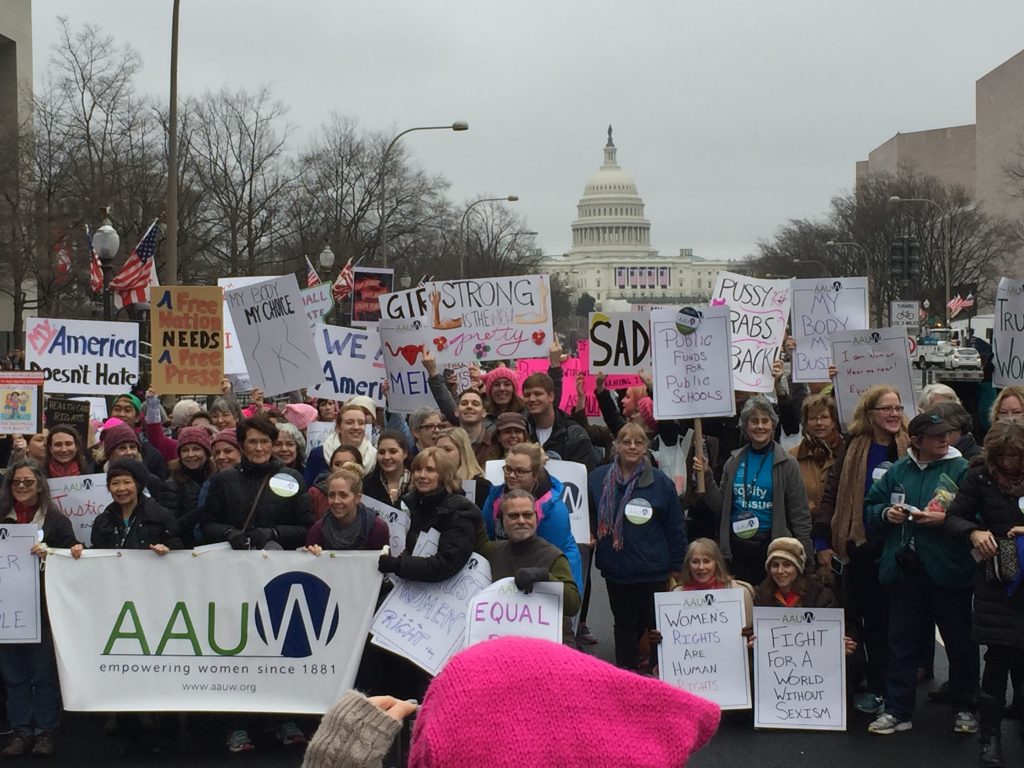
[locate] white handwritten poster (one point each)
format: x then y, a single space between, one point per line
19 584
821 307
702 649
692 376
351 361
82 498
501 610
397 521
800 668
234 363
620 342
757 312
83 356
273 334
866 358
316 302
402 343
1008 334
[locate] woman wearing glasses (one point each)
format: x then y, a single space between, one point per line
819 419
878 436
640 537
524 471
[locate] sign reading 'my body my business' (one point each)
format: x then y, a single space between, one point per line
83 356
282 632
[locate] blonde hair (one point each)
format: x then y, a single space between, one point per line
632 430
533 452
351 473
708 548
860 424
469 467
1005 392
447 471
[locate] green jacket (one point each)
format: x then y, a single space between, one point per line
946 563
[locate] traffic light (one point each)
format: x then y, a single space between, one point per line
913 260
898 259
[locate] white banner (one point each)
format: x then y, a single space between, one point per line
1008 334
316 302
19 584
82 498
800 668
501 610
866 358
692 376
426 623
280 633
83 355
620 342
821 307
573 477
757 311
273 335
351 361
702 649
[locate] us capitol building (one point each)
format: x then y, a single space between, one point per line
611 257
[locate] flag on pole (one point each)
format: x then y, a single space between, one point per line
131 283
95 268
312 278
62 262
957 305
345 283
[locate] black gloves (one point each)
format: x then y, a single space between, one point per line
387 564
254 538
238 539
527 577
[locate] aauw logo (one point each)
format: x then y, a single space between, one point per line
297 614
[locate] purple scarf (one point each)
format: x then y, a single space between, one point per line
609 513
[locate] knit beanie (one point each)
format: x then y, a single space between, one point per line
116 435
786 548
228 436
132 468
134 400
365 403
612 717
195 436
299 415
501 372
182 411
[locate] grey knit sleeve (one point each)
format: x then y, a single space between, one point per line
352 734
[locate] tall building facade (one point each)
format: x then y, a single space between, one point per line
611 257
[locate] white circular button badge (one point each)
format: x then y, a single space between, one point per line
284 485
639 511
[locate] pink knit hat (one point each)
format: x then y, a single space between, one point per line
612 717
299 415
501 372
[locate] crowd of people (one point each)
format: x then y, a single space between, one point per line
880 516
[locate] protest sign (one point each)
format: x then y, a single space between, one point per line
501 610
351 363
1008 334
800 668
866 358
21 402
234 363
692 378
905 314
283 632
83 355
402 343
316 302
82 498
426 623
757 313
409 304
19 584
273 335
397 521
74 413
573 477
822 306
496 318
702 649
619 342
187 337
316 434
369 284
97 407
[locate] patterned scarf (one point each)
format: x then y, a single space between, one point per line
609 513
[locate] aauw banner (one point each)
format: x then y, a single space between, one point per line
225 631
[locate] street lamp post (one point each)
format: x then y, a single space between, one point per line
867 262
896 200
106 241
824 269
458 125
462 226
326 259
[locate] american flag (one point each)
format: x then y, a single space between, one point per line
312 278
95 269
957 305
131 283
62 264
345 283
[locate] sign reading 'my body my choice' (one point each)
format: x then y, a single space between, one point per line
83 356
822 307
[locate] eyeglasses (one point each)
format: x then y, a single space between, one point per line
20 483
432 427
516 471
890 409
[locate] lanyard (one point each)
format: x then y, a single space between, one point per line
127 529
748 489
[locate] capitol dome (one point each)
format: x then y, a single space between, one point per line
610 215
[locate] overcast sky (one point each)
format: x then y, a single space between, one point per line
732 117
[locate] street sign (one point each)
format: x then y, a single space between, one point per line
903 314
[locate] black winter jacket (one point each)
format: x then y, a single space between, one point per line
58 532
150 524
569 440
455 517
980 505
231 496
180 495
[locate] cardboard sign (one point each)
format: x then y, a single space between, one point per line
19 585
620 342
1008 334
702 649
274 336
317 302
369 285
800 668
187 337
501 610
692 377
905 314
21 402
822 307
351 362
866 358
234 363
82 498
757 312
74 413
79 356
402 342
